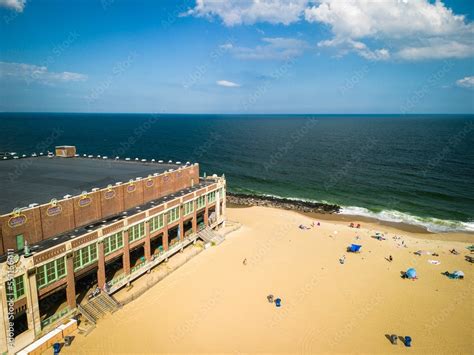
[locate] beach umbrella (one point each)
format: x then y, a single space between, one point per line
411 273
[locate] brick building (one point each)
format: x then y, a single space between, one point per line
90 220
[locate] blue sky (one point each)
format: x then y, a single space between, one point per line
246 56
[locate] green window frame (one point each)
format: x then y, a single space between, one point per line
188 208
211 197
136 232
201 201
157 222
173 215
51 272
16 287
20 242
85 256
113 243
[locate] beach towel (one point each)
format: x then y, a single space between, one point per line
434 262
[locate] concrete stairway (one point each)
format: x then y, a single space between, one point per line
98 307
209 236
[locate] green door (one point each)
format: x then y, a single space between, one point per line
20 242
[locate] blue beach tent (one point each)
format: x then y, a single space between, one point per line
410 273
354 248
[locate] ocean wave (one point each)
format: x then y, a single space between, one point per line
431 224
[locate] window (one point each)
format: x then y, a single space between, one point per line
173 215
188 207
20 242
85 256
156 223
113 243
211 197
136 232
15 288
50 272
201 201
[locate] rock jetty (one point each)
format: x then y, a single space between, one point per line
267 201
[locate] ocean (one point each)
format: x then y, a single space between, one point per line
413 169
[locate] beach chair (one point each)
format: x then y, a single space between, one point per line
354 248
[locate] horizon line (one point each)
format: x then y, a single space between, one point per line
235 114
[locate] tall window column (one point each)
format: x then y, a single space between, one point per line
126 253
32 302
165 232
101 264
71 284
181 223
194 222
147 245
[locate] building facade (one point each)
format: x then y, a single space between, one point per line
52 253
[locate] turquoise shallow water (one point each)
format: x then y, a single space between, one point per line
415 169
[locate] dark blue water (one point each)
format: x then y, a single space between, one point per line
417 169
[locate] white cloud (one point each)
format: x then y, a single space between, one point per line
35 73
467 82
412 30
274 48
17 5
347 45
237 12
227 84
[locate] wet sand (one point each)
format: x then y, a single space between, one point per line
216 303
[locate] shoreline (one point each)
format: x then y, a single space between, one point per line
332 213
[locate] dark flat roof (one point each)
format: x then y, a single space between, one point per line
39 179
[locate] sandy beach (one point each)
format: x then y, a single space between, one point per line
217 303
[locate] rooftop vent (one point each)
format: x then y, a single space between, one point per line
118 183
178 162
153 160
67 196
32 205
143 160
160 161
170 161
127 159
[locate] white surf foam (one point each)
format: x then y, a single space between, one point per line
431 224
